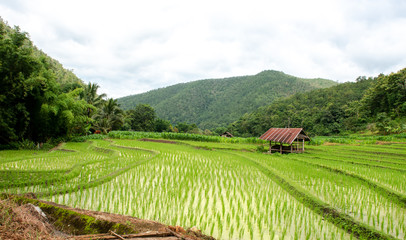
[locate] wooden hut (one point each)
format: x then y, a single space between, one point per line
227 134
285 140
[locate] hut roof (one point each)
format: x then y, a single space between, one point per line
227 134
284 135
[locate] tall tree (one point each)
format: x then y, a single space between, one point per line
142 118
33 104
19 84
162 125
108 117
91 97
388 95
64 114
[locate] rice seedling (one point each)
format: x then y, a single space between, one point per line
208 182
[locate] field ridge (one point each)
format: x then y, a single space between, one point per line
391 195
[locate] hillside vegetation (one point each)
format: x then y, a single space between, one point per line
217 102
41 101
375 104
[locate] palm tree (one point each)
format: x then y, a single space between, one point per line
109 116
90 95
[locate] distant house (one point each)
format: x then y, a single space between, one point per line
285 140
227 134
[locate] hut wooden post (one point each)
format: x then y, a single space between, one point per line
281 147
297 145
291 148
303 145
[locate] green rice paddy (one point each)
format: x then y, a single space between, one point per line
226 189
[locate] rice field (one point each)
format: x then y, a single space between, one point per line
226 189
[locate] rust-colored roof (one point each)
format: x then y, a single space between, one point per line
283 135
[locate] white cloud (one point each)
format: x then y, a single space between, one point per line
129 47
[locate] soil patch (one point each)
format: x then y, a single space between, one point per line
157 140
24 222
66 150
57 147
330 144
28 218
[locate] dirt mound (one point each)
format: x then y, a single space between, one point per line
28 218
24 222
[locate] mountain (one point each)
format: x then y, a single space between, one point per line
215 103
320 112
374 104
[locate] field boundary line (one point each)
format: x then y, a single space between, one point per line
100 180
399 199
363 164
361 158
135 148
348 153
68 174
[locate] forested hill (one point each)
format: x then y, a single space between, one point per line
217 102
374 104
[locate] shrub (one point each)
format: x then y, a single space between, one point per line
181 136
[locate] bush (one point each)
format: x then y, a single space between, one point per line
88 137
261 149
181 136
26 144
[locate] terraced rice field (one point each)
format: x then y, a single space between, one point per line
226 189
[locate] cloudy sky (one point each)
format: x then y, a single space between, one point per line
130 46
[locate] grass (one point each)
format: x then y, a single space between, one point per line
359 139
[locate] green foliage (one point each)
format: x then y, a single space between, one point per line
220 130
26 144
217 102
162 125
320 112
358 139
385 103
386 125
64 115
88 137
108 117
387 95
142 118
348 107
183 127
261 149
90 96
39 98
181 136
18 71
